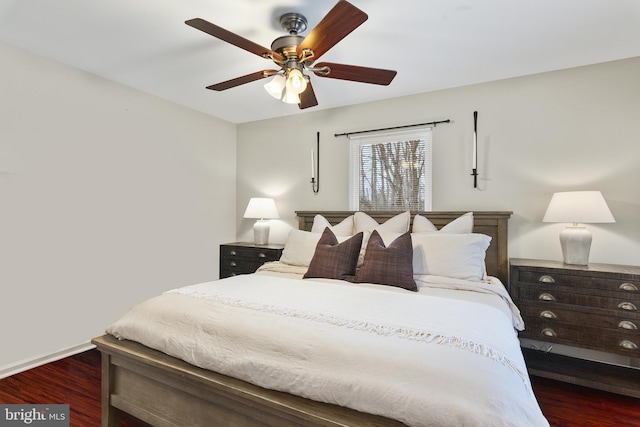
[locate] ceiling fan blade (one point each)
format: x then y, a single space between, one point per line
376 76
308 98
336 25
232 38
242 80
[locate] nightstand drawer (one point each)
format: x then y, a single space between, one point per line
235 267
535 312
580 297
559 278
255 254
244 258
624 342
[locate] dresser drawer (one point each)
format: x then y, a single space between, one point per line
245 258
601 319
624 342
255 254
617 301
625 285
235 267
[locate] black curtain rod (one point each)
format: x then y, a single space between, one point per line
391 128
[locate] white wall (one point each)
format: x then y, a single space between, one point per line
107 196
576 129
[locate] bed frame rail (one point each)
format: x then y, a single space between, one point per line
166 392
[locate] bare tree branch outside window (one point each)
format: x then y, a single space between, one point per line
391 171
392 176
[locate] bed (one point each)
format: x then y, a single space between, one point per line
480 377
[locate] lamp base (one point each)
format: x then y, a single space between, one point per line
261 232
576 243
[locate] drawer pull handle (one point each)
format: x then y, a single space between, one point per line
232 253
629 306
546 279
548 332
629 345
626 324
546 297
628 287
548 314
261 255
232 264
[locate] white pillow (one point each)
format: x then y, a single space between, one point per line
460 256
344 228
462 224
394 227
300 247
397 224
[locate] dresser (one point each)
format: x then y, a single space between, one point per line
244 257
594 307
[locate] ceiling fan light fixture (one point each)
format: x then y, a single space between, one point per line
291 98
276 86
296 83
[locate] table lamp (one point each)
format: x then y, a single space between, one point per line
261 208
577 207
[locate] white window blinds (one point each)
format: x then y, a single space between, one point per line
391 170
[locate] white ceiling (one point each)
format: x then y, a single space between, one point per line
433 44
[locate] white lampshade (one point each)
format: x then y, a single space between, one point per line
261 208
276 86
296 82
290 97
577 207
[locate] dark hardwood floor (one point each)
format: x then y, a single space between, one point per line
76 381
575 406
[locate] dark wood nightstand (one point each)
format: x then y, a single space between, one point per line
245 257
593 307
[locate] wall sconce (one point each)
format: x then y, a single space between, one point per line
577 207
261 208
315 167
474 156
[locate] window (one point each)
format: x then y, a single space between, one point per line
391 171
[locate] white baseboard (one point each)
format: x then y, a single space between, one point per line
25 365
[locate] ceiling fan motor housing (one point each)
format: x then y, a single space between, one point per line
286 45
293 23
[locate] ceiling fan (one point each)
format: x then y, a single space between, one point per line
295 55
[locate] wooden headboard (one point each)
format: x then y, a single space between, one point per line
492 224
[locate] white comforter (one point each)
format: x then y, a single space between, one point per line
421 358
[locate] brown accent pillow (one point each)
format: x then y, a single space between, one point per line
392 265
333 260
